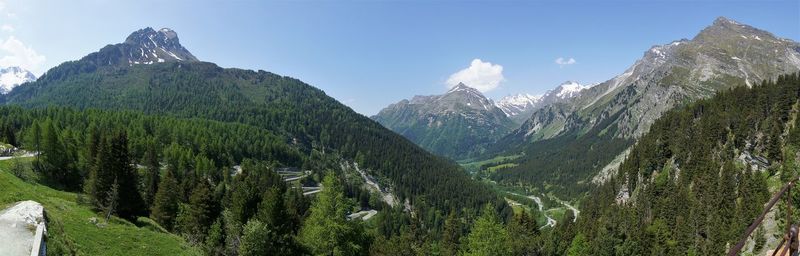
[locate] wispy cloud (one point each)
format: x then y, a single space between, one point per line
16 53
561 61
480 75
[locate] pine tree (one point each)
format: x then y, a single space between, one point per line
523 230
256 239
55 162
215 241
327 231
152 178
198 215
579 246
101 176
451 235
165 205
488 236
130 200
296 207
9 136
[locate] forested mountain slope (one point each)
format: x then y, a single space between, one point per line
300 115
457 124
569 143
695 182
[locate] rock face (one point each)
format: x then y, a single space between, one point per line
456 124
11 77
144 46
18 225
721 56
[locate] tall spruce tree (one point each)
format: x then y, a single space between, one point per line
130 199
152 177
165 204
199 214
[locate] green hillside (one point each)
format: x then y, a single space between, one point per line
301 115
71 231
700 176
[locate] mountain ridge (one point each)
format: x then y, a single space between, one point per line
519 107
455 124
304 116
724 55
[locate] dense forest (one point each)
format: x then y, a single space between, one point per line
300 114
128 164
699 177
565 163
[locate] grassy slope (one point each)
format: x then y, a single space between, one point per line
119 237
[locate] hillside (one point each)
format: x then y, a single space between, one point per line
70 229
700 176
300 114
604 120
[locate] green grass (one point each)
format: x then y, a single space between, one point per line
557 213
473 166
496 167
70 229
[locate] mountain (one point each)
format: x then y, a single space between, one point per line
701 175
724 55
457 124
520 107
303 117
145 46
11 77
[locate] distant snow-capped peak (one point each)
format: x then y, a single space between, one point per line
523 103
515 104
12 77
569 89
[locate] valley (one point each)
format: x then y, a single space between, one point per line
355 128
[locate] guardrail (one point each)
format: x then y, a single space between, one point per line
39 247
787 188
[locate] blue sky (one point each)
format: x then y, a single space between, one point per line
368 54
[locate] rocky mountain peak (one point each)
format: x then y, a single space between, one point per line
147 46
461 87
724 30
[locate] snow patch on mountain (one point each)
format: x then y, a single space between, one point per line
12 77
569 89
513 105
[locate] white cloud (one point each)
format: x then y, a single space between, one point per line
16 53
480 75
561 61
7 28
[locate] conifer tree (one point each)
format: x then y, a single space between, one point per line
165 204
327 231
199 214
488 236
130 200
215 240
152 177
451 235
101 176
